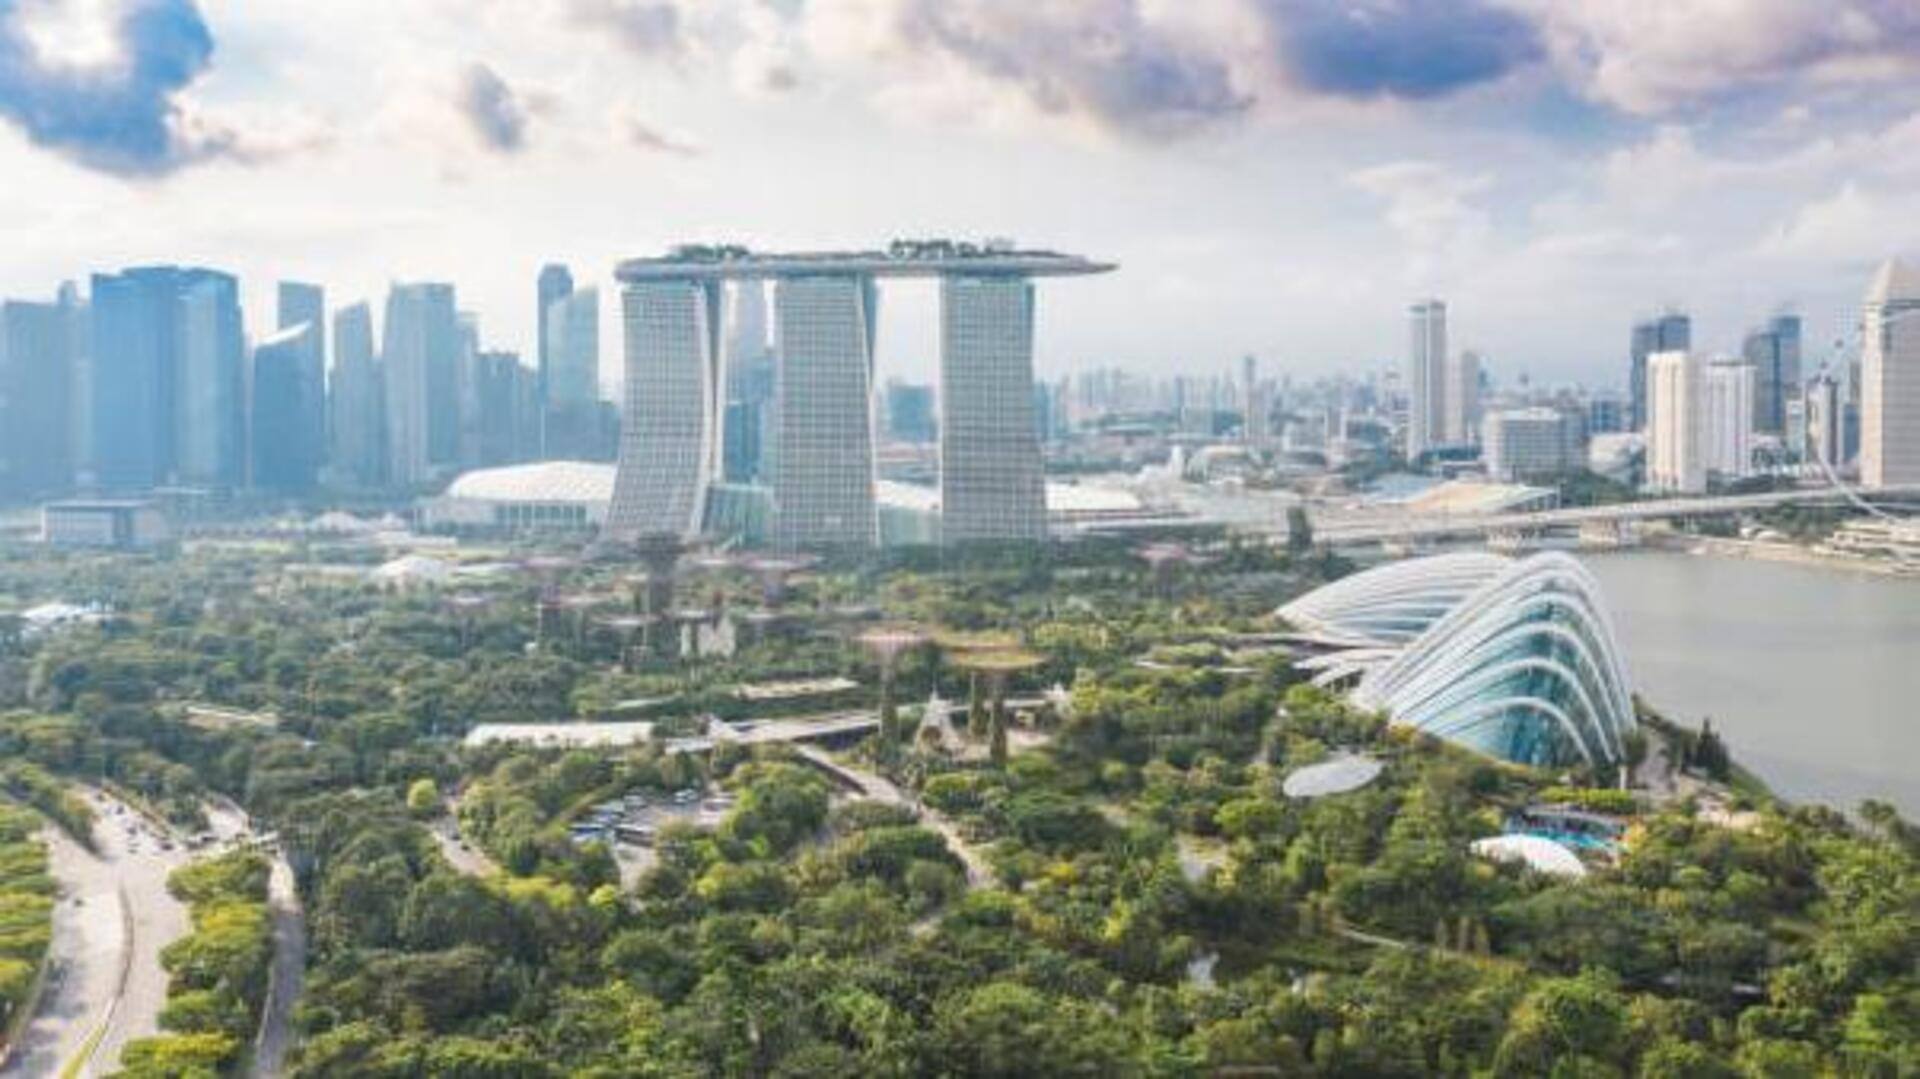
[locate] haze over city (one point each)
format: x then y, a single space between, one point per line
959 538
1277 176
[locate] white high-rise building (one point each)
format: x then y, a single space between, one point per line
822 452
669 445
1890 378
991 484
1727 420
1462 398
1676 452
1426 377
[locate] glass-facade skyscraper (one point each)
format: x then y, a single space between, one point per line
39 360
1671 332
168 379
1774 353
283 460
420 356
356 420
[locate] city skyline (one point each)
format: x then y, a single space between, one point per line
1547 170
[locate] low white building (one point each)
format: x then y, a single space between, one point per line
550 496
106 524
1523 442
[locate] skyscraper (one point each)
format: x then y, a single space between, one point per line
1774 353
38 359
509 409
1462 406
1426 377
572 348
420 353
357 402
1676 451
1727 420
556 283
211 425
749 370
911 412
135 375
990 466
1890 378
822 467
306 436
668 439
817 468
1825 422
282 461
1670 332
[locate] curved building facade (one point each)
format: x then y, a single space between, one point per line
669 450
1523 664
1394 603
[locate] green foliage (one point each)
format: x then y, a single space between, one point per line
423 798
26 908
217 973
1595 799
1150 841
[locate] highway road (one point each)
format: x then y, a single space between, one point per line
113 918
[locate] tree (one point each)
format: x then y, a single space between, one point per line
423 799
1299 531
1710 754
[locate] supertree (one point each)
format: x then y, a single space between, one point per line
887 644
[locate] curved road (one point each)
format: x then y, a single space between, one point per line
881 789
113 917
289 972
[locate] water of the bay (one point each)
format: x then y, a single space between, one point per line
1812 674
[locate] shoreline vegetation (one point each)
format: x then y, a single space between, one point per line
1107 877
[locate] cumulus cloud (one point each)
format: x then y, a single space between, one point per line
648 27
1853 226
120 111
634 130
1397 48
494 111
1104 61
1655 56
1431 207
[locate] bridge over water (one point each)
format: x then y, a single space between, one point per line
1445 526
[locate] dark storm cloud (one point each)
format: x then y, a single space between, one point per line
122 118
1398 48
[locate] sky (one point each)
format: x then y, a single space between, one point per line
1275 177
